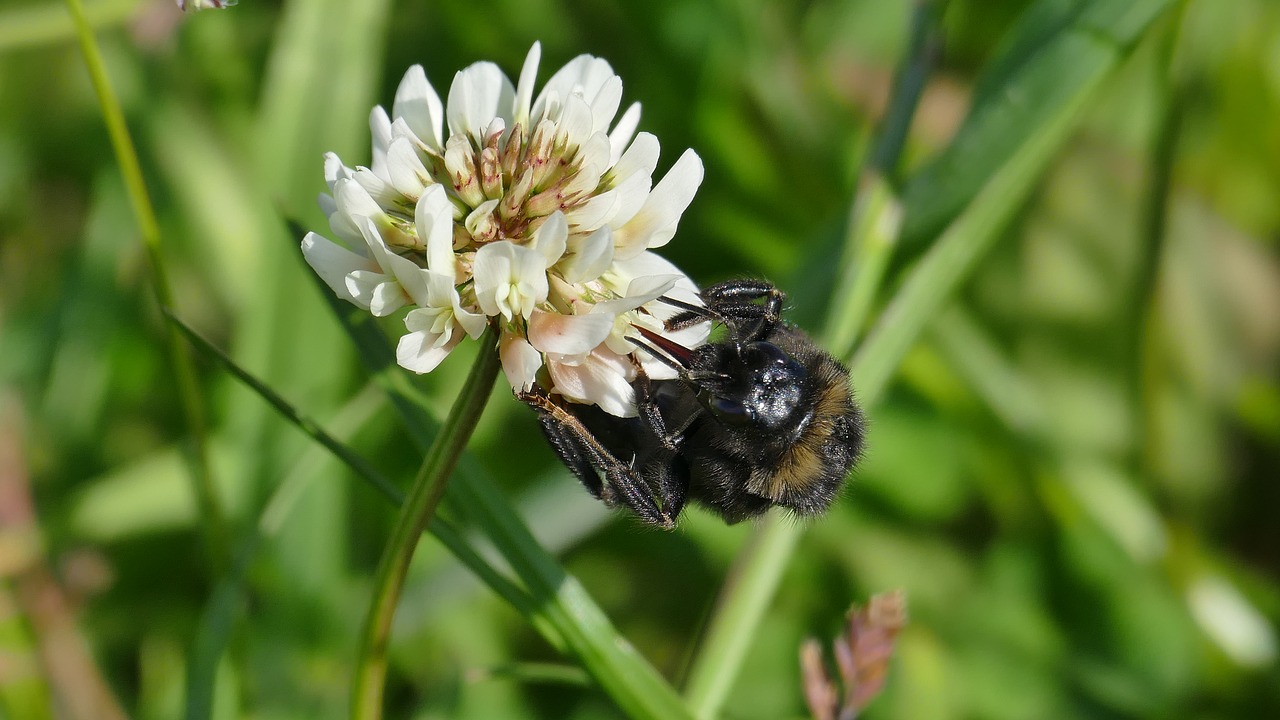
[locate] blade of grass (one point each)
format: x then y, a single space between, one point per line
1056 51
874 226
875 219
1155 216
213 523
352 459
427 490
1085 52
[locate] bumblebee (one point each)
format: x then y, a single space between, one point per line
758 418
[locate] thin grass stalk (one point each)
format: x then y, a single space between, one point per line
875 218
212 519
419 507
1142 318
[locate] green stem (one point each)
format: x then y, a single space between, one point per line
743 601
908 87
874 226
1141 319
420 506
875 220
213 522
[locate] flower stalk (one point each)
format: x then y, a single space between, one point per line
419 507
212 518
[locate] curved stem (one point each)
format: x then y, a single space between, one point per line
424 496
211 514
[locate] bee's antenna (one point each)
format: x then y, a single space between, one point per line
689 307
665 350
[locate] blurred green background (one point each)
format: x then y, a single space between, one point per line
1075 477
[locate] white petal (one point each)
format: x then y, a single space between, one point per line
639 291
380 127
651 263
379 293
623 131
584 182
354 200
520 362
333 262
568 334
414 281
588 256
602 379
550 238
434 219
575 122
656 222
419 105
595 212
334 170
509 279
387 298
629 196
419 351
524 87
479 94
379 190
472 322
583 75
605 102
641 157
405 170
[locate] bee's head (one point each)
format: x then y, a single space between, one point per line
749 385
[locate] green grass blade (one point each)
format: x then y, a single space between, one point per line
213 521
1059 51
351 458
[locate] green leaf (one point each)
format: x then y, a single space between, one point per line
1052 62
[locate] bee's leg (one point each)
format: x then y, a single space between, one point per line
572 455
738 301
734 303
670 474
584 456
668 438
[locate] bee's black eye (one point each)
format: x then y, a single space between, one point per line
764 354
731 412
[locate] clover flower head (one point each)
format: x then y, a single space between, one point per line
536 214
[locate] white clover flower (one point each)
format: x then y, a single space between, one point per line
534 214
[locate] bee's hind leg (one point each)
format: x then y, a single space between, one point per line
586 458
